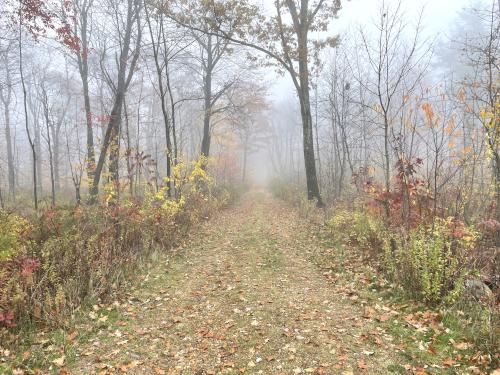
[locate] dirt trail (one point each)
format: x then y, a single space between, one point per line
242 297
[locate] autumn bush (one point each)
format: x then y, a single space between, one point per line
426 255
430 263
16 267
357 228
51 263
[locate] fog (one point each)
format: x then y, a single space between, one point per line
160 91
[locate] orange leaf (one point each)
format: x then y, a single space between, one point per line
362 365
384 318
448 362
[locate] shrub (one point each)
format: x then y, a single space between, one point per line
13 233
52 263
357 228
16 267
429 264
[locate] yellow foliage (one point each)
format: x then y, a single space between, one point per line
173 207
12 228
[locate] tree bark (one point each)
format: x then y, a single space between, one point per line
48 127
207 100
83 68
25 107
307 123
6 100
156 43
110 134
125 72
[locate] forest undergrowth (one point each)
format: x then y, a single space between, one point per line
257 289
437 273
56 261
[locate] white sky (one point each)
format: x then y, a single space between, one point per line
439 16
437 13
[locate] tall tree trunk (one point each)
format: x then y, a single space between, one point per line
38 150
172 116
10 156
207 106
128 153
107 143
125 73
157 41
49 145
83 68
6 100
57 164
316 128
387 164
307 123
55 130
25 107
114 154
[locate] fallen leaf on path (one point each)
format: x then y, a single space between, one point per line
362 365
449 362
59 362
384 318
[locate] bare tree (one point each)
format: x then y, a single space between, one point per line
128 55
242 23
48 136
483 91
81 29
25 106
6 92
167 45
397 65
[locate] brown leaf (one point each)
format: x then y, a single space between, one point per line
362 365
72 335
449 362
384 318
462 345
420 371
368 313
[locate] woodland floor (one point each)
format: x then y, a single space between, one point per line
242 297
244 294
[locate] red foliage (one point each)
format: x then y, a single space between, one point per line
7 319
28 265
67 37
38 17
490 226
408 190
